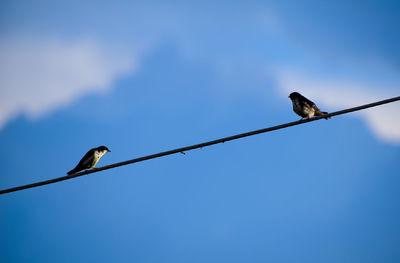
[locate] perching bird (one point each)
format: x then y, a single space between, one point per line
304 107
90 159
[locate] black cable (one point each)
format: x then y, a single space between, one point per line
196 146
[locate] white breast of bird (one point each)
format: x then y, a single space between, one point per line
97 156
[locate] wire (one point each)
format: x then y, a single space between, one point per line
196 146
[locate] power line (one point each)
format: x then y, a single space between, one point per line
196 146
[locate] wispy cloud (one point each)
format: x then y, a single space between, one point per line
335 94
38 75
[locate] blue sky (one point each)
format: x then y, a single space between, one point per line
143 78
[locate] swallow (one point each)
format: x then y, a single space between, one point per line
90 159
304 107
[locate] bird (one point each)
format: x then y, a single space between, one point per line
304 107
90 159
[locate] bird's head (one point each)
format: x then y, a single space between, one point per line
294 95
103 149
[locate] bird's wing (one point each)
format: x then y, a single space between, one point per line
316 108
318 112
87 160
308 102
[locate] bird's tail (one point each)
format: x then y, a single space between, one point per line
75 170
321 113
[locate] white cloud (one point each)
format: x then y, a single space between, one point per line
383 120
40 75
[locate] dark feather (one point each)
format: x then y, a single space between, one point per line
84 163
306 102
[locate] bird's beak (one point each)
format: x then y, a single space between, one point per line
108 151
